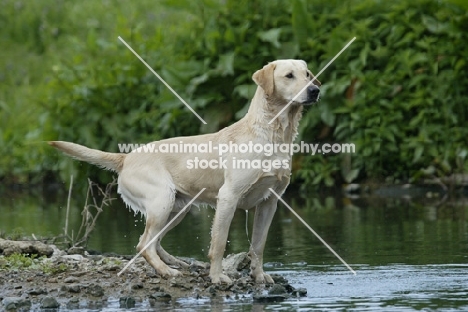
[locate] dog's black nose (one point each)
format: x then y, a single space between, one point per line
313 92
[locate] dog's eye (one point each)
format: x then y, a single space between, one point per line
290 75
308 75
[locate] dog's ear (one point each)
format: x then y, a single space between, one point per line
316 82
264 78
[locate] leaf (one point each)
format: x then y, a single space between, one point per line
327 116
364 53
246 91
226 64
299 22
463 153
417 153
271 36
433 25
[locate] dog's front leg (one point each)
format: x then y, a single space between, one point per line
225 208
264 213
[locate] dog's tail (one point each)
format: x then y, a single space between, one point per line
111 161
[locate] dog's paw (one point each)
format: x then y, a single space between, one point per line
220 279
169 272
263 278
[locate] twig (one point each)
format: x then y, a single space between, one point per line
88 219
68 204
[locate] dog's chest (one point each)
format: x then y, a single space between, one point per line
260 190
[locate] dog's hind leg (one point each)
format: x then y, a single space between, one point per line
158 211
164 255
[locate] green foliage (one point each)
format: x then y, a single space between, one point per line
398 92
18 262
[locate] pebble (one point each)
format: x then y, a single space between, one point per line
127 302
95 290
74 257
137 285
76 251
161 296
37 291
73 303
49 303
75 288
277 289
15 303
300 292
70 280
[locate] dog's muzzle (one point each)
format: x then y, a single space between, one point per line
313 95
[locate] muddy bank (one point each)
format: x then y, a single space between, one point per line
75 279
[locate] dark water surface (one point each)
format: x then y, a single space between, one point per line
409 253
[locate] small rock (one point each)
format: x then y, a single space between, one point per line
243 281
70 280
111 267
180 283
78 258
95 290
127 302
161 296
236 262
138 285
57 252
78 273
224 287
299 292
212 290
49 303
37 291
279 279
73 303
76 251
277 289
75 288
15 303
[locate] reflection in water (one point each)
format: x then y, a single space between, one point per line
404 249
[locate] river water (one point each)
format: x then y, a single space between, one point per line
409 252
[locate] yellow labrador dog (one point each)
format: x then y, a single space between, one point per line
160 184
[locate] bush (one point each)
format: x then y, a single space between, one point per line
397 92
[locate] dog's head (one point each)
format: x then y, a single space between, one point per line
284 79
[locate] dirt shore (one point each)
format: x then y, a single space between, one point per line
75 279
